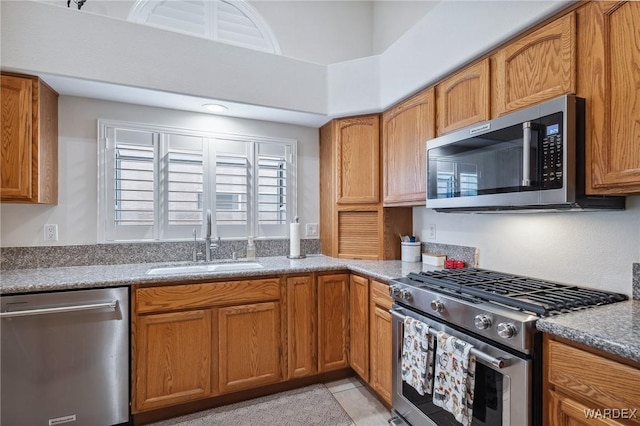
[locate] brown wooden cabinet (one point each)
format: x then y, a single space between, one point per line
333 322
249 346
610 81
359 325
173 353
405 129
464 98
193 341
358 159
302 326
29 140
380 341
353 222
536 67
583 383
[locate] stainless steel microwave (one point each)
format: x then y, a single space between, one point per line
531 159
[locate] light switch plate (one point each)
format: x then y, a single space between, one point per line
312 230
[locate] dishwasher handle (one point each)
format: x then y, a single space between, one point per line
73 308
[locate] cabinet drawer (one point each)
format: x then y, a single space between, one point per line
380 294
187 296
603 381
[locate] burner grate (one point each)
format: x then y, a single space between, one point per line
529 294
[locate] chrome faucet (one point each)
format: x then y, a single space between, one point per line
208 245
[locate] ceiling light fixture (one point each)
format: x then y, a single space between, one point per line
215 107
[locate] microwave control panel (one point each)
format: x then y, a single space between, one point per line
552 155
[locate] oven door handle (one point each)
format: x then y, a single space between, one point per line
495 361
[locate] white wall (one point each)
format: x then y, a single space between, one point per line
76 212
391 19
594 249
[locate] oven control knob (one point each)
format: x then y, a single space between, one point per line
506 330
437 305
482 322
405 294
394 290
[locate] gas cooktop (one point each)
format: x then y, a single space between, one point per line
495 305
542 298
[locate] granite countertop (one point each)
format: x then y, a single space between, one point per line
83 277
613 328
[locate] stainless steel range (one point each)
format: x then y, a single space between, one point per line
496 313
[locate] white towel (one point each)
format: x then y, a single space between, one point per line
454 377
417 356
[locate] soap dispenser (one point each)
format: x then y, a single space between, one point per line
251 249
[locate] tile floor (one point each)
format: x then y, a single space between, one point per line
363 408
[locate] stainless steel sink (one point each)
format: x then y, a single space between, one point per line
210 267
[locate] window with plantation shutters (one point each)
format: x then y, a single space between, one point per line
272 188
158 183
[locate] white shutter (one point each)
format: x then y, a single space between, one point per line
228 21
232 188
273 176
183 194
131 185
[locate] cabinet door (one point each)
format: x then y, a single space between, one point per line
16 138
405 130
359 325
333 321
302 326
358 159
173 358
564 411
463 98
610 81
537 67
249 346
381 340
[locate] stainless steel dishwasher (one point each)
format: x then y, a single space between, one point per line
65 358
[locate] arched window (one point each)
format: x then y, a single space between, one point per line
228 21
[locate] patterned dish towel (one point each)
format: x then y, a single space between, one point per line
417 356
454 377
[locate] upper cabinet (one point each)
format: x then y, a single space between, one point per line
29 140
463 99
405 130
610 81
353 222
357 142
536 67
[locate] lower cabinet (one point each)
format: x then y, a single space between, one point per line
370 333
173 353
333 322
380 341
585 387
359 325
249 346
194 341
302 326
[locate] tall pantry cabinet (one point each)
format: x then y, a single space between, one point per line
353 222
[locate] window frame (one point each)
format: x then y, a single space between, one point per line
161 231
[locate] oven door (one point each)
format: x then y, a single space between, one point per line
503 396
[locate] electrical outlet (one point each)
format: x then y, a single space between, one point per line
431 234
51 232
312 229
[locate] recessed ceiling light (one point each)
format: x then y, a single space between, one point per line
215 107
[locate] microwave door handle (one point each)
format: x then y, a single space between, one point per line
526 153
